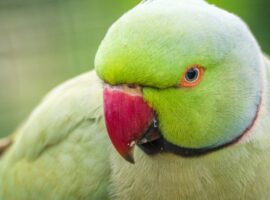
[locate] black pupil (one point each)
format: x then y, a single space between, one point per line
192 74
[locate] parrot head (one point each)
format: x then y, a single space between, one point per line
180 76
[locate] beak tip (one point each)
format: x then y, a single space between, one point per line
129 156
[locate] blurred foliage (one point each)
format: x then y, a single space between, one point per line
44 42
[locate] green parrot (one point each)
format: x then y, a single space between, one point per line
176 109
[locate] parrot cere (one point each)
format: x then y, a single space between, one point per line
177 108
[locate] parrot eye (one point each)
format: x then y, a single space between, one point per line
192 76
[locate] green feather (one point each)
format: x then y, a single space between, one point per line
61 152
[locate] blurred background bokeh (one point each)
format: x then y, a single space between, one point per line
44 42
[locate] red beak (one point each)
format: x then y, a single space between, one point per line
127 117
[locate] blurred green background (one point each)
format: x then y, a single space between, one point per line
44 42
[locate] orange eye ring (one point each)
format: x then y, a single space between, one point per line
192 76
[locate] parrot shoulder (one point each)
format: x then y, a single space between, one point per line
61 147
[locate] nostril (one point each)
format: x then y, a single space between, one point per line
131 86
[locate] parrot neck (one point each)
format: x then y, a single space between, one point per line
167 176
